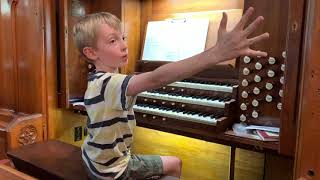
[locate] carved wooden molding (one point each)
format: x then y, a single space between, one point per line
28 135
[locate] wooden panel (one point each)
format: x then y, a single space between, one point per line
72 72
308 149
76 66
111 6
173 6
51 66
131 19
30 56
278 167
7 65
288 116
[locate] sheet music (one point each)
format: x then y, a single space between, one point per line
174 40
264 128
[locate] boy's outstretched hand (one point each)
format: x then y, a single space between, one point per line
236 43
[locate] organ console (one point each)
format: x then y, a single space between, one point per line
251 90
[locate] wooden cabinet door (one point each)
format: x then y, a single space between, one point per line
29 40
308 149
7 65
22 56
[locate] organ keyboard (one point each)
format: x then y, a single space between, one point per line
200 105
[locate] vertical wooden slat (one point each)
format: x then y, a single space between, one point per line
288 115
307 165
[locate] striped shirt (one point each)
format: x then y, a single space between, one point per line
106 150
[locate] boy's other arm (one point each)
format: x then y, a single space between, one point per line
229 46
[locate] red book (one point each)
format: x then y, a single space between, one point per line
267 135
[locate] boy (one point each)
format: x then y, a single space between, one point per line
110 96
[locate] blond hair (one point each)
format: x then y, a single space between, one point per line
84 31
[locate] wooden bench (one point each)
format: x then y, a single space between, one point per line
49 160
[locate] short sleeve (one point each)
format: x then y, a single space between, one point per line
115 94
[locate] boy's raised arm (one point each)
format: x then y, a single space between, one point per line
229 46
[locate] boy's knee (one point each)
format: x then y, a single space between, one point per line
178 162
172 165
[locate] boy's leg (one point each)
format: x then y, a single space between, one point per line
171 166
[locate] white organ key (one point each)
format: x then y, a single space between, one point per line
269 86
245 83
243 107
257 78
284 54
283 67
246 59
281 93
243 118
272 60
271 73
244 94
246 71
190 100
268 98
282 80
209 87
255 114
256 90
279 106
258 66
176 115
255 103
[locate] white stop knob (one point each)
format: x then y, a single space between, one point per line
279 105
268 98
246 59
284 54
255 114
271 73
245 83
243 118
243 107
272 60
258 66
256 90
269 86
283 67
244 94
257 78
255 103
282 80
281 93
246 71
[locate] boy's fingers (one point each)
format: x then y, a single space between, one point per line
223 22
258 38
253 26
254 53
245 18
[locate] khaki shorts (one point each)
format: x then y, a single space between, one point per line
139 167
143 167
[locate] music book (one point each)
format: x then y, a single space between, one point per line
175 39
267 135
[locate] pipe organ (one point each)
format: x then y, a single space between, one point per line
253 90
